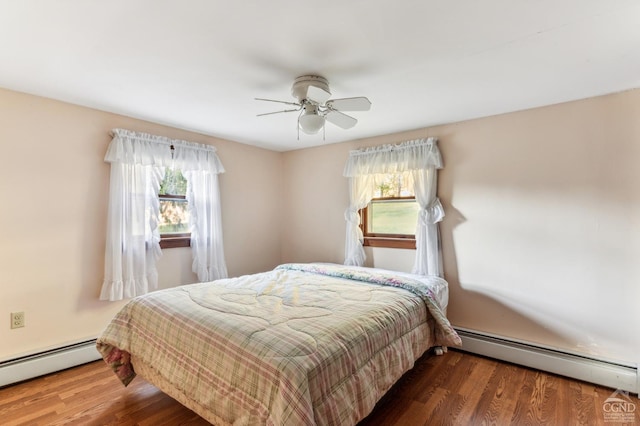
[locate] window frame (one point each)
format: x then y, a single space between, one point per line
177 239
402 241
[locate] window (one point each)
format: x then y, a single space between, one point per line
132 247
390 219
174 214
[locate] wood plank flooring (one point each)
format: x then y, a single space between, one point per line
455 389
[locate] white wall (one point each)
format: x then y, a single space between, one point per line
542 235
53 196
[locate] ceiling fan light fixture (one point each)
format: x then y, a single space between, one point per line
316 106
310 122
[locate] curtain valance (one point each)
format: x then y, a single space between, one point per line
130 147
394 158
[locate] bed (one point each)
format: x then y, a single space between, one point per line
303 344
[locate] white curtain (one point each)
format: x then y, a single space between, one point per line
203 199
428 259
419 157
138 162
360 193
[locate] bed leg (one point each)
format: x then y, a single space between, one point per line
439 350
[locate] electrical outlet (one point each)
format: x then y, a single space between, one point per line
17 319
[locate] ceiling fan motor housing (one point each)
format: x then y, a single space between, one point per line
316 107
302 83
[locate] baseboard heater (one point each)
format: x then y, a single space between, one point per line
602 372
606 373
39 364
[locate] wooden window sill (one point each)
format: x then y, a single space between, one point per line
402 243
175 241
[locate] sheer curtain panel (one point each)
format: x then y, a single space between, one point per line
421 158
138 162
428 259
203 199
361 191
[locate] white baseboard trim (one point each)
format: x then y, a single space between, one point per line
28 367
602 372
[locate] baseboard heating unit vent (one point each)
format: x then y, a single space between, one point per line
30 366
606 373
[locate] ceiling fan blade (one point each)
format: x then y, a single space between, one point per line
317 95
277 112
341 120
350 104
280 102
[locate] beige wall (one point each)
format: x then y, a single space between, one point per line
53 192
542 240
542 235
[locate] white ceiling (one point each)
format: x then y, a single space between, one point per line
198 64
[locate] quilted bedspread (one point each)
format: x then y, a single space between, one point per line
300 345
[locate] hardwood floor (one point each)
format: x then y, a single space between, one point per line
455 389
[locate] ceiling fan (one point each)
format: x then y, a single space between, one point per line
315 107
